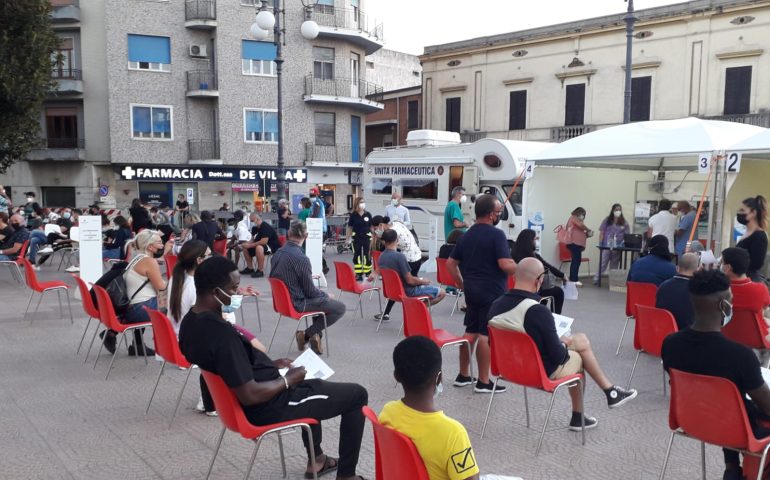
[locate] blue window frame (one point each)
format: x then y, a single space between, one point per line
151 122
149 52
257 58
260 125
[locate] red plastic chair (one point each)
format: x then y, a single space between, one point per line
393 289
16 265
417 321
231 414
395 455
565 256
748 328
282 240
37 286
516 359
170 260
711 410
88 307
653 325
283 306
167 346
445 278
220 247
346 282
376 266
637 293
511 282
111 322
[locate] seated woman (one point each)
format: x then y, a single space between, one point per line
525 247
116 248
451 241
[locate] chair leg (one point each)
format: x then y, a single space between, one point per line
92 343
703 460
581 386
283 455
526 405
664 378
274 332
309 432
326 336
101 346
69 305
29 303
545 425
360 307
37 307
762 461
109 369
88 324
454 306
622 334
636 360
259 314
668 454
216 451
179 397
258 442
157 381
58 298
489 407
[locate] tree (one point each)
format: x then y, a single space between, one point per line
27 43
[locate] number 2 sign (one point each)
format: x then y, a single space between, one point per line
733 162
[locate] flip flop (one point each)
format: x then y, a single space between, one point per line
330 465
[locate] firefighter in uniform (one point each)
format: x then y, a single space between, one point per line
359 232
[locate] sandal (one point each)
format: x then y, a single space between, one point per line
330 465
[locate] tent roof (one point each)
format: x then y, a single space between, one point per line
757 145
659 145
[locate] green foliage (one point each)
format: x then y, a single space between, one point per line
27 43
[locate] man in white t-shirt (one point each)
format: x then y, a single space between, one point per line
663 223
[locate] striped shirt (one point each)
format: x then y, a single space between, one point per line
290 264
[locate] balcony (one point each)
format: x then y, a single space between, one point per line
470 137
202 84
335 154
342 91
203 150
758 119
349 25
200 14
65 11
560 134
61 149
69 81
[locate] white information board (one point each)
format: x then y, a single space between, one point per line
90 239
314 247
430 265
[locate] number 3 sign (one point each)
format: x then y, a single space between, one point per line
704 163
733 162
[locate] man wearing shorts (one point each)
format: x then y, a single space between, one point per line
480 264
264 243
520 310
414 286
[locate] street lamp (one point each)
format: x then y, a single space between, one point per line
630 19
264 22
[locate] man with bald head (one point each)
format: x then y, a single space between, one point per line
673 294
519 309
398 212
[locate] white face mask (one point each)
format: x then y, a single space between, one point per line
362 205
394 202
581 217
463 199
30 199
617 213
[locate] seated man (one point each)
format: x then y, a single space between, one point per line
673 294
207 230
10 249
265 242
519 309
291 265
656 266
241 234
210 342
703 350
395 260
441 441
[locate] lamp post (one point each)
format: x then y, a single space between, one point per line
630 20
264 22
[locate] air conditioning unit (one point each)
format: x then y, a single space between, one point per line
198 51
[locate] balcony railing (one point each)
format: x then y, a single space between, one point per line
65 11
61 142
201 80
345 18
470 137
343 87
203 149
200 10
560 134
333 153
758 119
66 74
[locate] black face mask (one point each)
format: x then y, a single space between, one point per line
741 217
496 221
15 226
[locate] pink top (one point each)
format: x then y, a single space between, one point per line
577 234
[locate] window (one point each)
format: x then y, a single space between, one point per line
58 196
260 125
151 122
147 52
324 128
61 125
422 189
737 90
575 104
255 3
516 197
412 115
453 114
63 59
640 98
387 140
494 191
517 113
323 63
382 186
257 58
325 7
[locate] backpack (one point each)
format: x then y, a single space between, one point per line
563 234
114 282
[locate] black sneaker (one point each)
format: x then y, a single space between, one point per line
247 271
487 388
108 340
258 274
617 396
464 381
574 423
733 474
385 317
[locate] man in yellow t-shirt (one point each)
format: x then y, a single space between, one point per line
442 442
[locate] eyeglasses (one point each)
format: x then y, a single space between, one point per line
541 275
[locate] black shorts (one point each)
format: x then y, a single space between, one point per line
477 318
253 250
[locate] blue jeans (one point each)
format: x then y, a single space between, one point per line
6 258
577 258
136 314
36 238
420 290
112 253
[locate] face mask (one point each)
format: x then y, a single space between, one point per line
15 226
581 217
235 302
464 199
394 202
439 388
362 205
617 213
741 218
66 215
378 232
30 199
727 316
496 220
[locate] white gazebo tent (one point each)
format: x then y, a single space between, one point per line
604 167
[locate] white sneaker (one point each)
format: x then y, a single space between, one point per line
200 408
45 250
72 269
36 268
578 283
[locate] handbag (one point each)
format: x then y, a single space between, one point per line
563 234
549 280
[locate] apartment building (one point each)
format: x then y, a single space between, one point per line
157 98
705 58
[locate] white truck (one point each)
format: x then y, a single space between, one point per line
433 162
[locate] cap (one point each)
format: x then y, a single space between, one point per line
314 190
29 194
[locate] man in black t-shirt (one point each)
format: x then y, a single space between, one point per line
703 350
264 243
673 294
207 230
265 395
183 208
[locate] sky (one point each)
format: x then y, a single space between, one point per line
411 25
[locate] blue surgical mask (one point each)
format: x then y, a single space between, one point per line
235 302
727 316
66 215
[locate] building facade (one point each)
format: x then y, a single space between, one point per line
160 98
401 114
705 58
